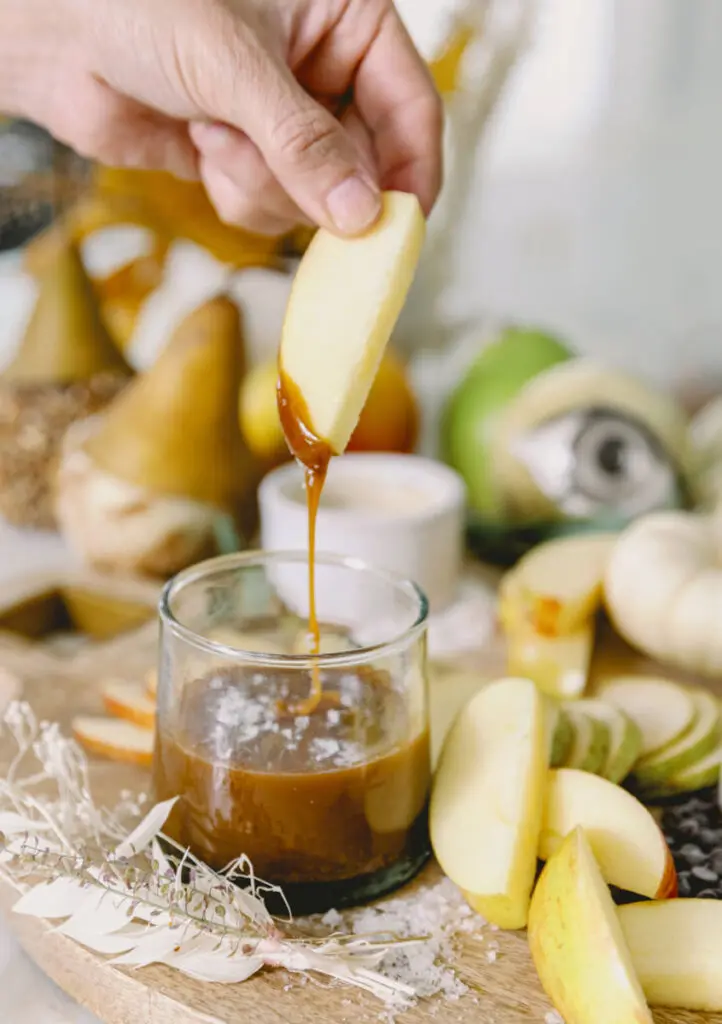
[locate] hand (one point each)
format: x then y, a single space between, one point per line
290 111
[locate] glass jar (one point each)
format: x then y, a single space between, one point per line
328 801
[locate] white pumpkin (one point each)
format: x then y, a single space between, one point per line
663 589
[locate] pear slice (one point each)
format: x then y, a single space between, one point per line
487 798
700 740
114 739
676 949
129 701
175 429
345 300
627 842
625 739
663 710
65 340
562 737
699 775
559 665
560 581
577 943
590 747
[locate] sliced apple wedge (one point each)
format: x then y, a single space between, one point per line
676 949
343 306
625 739
114 739
129 701
662 709
590 746
577 943
695 744
560 581
487 798
700 775
558 665
562 737
627 843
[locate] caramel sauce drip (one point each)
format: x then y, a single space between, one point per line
313 454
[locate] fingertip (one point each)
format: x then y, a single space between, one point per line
354 205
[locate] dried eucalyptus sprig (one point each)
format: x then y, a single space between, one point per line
119 886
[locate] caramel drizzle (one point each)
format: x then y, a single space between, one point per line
313 455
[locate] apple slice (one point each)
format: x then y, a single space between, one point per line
560 581
663 710
129 701
343 306
114 739
577 943
627 843
151 682
625 739
562 737
700 740
559 665
487 798
590 746
676 949
702 773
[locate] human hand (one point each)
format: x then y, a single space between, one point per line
290 111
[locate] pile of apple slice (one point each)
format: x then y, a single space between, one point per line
126 733
547 607
497 808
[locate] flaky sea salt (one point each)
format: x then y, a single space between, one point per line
553 1018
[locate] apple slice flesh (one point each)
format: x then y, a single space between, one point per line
662 710
487 798
559 665
625 739
114 739
676 948
577 943
589 749
343 306
700 740
129 701
700 775
560 581
627 843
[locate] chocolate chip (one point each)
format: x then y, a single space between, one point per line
704 873
708 894
684 885
711 838
689 827
692 854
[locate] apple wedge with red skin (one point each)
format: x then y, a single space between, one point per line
627 842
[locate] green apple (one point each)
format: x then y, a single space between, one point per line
702 739
625 739
702 773
577 943
472 413
590 746
562 737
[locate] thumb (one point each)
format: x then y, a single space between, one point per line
309 151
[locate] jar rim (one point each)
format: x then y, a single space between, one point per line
246 559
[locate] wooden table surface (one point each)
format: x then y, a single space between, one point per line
503 992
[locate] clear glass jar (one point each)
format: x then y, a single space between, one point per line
328 802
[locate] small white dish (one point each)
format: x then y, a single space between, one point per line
402 513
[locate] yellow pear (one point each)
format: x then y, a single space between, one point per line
66 340
175 430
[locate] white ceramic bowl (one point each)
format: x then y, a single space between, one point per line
402 513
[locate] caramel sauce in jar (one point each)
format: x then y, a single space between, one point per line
330 805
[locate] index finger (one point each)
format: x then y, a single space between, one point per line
397 99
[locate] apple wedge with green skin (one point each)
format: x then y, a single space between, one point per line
700 775
700 740
577 943
625 740
562 737
663 710
590 746
676 949
627 843
487 798
343 306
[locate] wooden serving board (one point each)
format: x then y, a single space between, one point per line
506 991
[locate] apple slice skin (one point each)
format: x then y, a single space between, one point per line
562 738
578 799
702 739
676 948
577 943
590 746
495 756
625 739
699 775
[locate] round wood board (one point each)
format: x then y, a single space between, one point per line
506 991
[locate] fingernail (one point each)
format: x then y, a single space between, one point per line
210 136
353 205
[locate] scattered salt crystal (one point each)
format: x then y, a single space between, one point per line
491 956
553 1018
332 919
334 716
